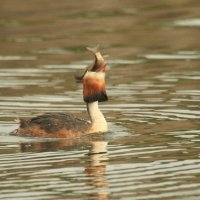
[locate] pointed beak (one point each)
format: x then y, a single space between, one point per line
99 64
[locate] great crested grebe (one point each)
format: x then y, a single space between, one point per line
58 125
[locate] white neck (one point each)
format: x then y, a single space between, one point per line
98 121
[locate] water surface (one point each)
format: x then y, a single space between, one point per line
152 148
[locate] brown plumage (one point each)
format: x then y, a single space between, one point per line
48 124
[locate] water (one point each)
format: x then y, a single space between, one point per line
152 148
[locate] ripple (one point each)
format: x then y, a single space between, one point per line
33 98
178 76
114 62
187 22
20 72
18 78
67 66
9 58
190 134
186 114
19 84
53 51
177 56
188 92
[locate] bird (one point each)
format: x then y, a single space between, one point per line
62 125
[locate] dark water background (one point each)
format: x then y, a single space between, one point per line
152 148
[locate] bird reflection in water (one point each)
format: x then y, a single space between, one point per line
96 169
95 162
